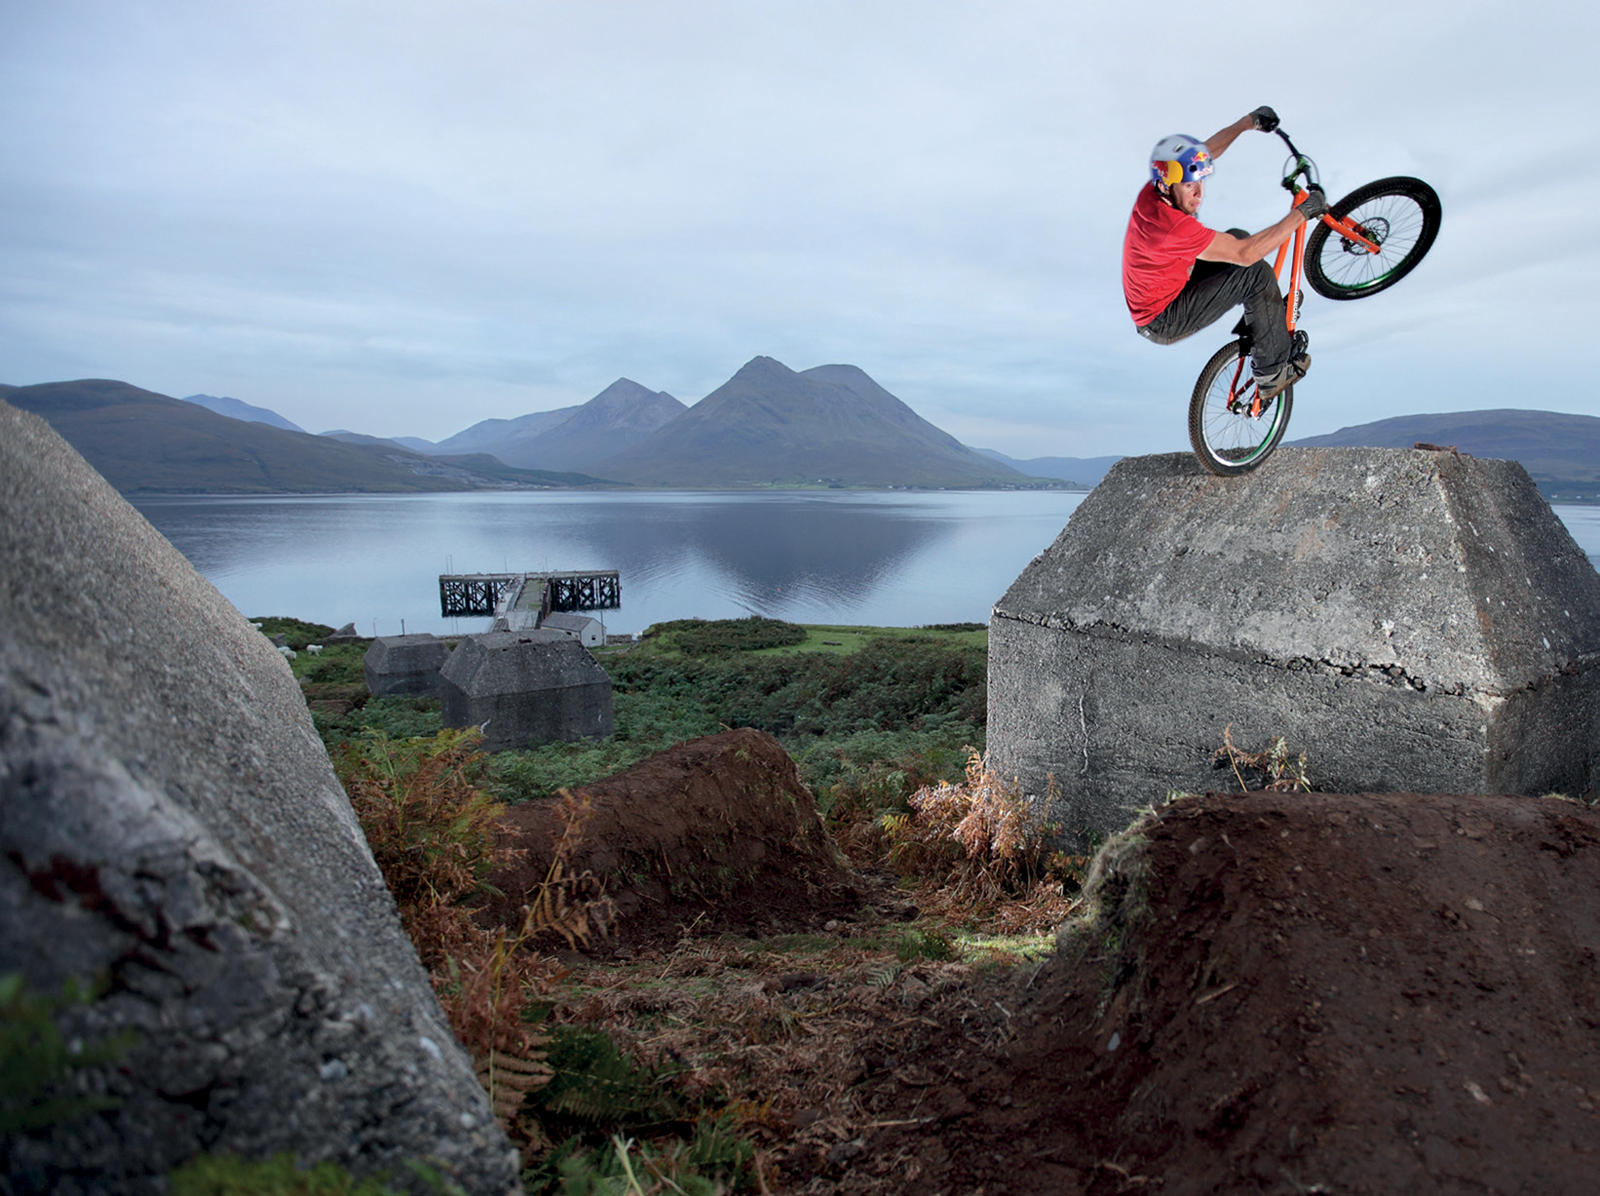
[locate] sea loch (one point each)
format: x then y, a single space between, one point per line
898 558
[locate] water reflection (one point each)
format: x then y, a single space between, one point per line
894 559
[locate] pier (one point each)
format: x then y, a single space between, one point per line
519 601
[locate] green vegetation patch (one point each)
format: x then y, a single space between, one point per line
299 633
718 637
871 725
226 1175
870 714
37 1066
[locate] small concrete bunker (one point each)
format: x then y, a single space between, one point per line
404 664
1412 620
530 687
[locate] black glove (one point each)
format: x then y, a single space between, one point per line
1316 203
1264 119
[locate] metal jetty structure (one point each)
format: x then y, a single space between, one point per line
520 601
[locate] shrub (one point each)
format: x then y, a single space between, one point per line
977 845
433 833
430 827
700 637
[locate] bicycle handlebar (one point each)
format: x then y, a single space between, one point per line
1302 164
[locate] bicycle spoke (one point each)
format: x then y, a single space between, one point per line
1400 215
1225 435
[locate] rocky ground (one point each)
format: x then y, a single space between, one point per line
1271 992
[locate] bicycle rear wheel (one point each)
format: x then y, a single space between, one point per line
1400 214
1227 438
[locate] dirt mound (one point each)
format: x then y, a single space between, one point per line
1284 993
717 833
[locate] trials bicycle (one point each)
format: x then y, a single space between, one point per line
1365 243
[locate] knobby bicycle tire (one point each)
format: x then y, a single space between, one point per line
1227 439
1401 214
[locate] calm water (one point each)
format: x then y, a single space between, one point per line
883 559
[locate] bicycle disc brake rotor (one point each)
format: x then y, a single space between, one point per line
1375 230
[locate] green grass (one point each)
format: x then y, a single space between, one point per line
870 714
841 639
973 947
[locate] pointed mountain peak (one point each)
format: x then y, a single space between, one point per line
764 367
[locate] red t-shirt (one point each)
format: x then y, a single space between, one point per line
1158 253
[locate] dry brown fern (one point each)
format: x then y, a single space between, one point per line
1280 773
568 902
978 845
434 835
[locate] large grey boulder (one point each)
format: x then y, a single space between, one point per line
404 664
525 688
1413 621
171 827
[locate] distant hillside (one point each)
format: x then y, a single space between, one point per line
1084 471
1560 451
145 442
238 409
620 416
416 444
768 425
486 436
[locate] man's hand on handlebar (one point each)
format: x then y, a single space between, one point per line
1264 119
1315 204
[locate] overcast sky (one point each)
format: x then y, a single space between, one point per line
401 218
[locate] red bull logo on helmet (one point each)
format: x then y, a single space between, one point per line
1169 172
1180 159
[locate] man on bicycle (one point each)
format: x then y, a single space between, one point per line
1179 276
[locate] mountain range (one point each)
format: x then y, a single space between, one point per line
143 442
239 409
1560 451
619 417
833 425
768 425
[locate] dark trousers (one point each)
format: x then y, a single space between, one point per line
1214 289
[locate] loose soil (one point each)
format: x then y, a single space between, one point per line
1277 993
719 834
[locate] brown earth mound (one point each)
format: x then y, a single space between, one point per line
718 833
1283 993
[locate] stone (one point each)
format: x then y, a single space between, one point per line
1412 620
525 688
171 827
344 635
404 664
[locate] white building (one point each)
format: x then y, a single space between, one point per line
591 633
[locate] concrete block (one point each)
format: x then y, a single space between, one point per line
1413 621
404 664
171 825
529 687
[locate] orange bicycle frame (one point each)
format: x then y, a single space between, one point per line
1291 307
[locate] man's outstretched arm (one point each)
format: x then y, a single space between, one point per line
1246 251
1262 118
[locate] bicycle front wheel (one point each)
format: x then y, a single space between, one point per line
1401 215
1229 436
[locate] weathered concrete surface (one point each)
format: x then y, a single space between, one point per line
169 823
525 688
1411 620
404 664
